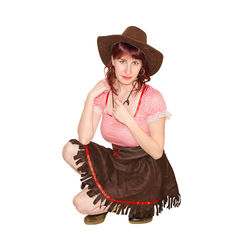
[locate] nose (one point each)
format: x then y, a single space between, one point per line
128 69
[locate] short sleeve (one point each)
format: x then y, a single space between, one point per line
156 106
99 103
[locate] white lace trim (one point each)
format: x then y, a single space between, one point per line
97 109
159 115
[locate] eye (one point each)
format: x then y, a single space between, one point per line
122 61
136 63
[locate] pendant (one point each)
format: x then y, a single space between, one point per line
127 101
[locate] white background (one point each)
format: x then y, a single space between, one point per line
49 62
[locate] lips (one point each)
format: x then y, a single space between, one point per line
127 77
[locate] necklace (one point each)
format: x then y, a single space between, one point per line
127 100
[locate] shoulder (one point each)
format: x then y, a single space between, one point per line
154 105
101 98
152 95
102 95
100 102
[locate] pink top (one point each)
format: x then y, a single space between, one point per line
149 106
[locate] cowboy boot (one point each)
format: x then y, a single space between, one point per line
137 220
95 219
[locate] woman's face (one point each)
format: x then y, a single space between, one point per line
126 68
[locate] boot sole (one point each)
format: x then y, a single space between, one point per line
98 219
142 221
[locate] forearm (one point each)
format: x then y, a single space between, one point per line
85 127
147 143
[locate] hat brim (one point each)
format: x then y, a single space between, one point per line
153 56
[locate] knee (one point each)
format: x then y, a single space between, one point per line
68 151
80 205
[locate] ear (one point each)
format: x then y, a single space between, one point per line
112 60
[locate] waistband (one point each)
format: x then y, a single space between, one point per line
128 153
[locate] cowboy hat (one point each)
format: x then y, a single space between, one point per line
133 36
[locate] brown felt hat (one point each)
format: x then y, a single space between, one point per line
133 36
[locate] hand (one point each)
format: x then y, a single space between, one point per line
121 112
100 87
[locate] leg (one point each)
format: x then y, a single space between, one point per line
84 204
69 150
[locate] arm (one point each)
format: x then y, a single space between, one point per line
90 119
85 127
153 144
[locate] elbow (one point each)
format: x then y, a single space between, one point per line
157 157
83 139
84 134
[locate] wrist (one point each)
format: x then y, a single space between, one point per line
130 121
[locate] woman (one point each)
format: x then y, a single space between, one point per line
133 177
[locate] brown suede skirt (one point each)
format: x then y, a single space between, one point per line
127 179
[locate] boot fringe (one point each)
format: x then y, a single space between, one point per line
124 208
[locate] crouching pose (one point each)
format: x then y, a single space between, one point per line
132 177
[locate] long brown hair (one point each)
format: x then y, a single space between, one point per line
117 51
